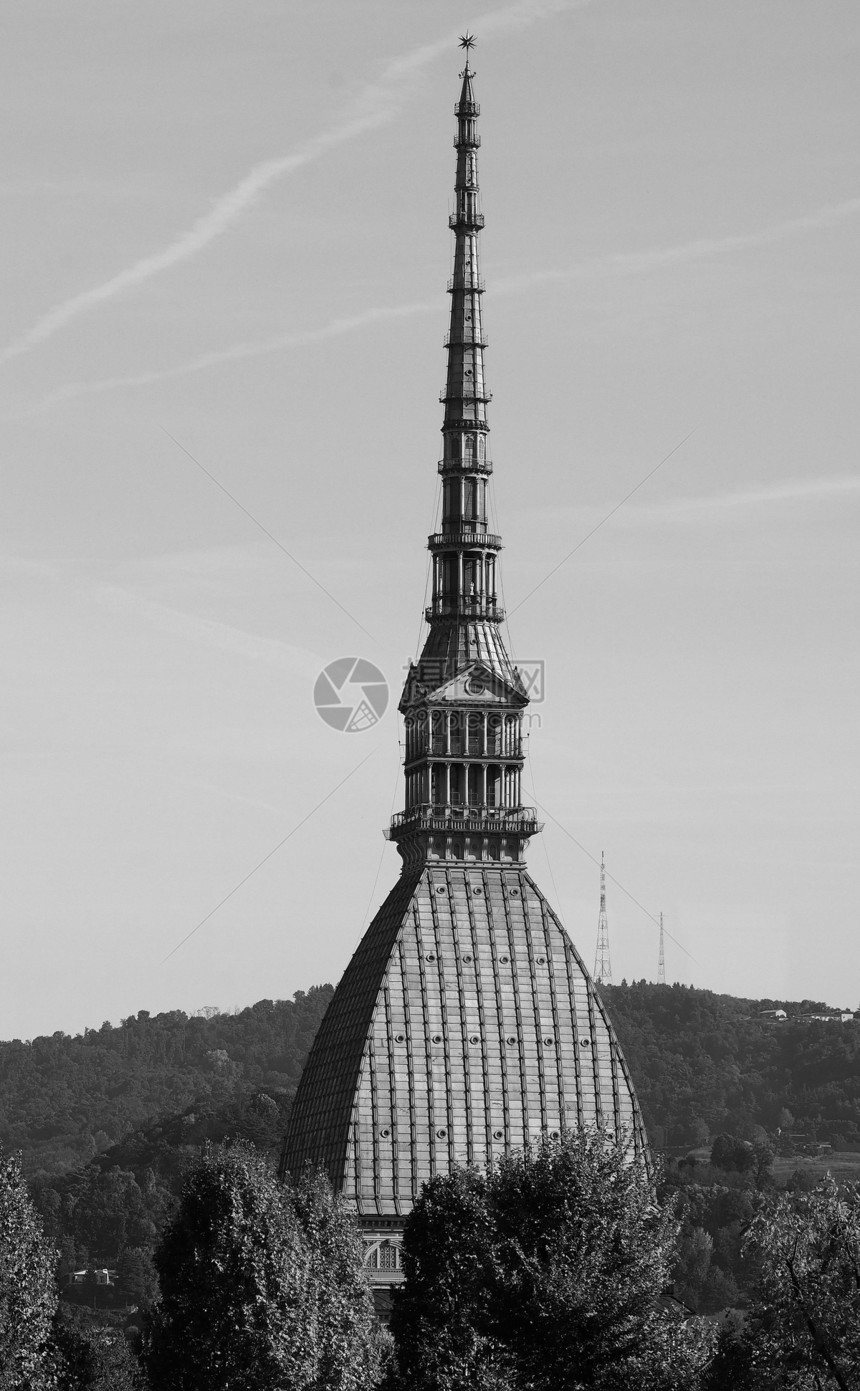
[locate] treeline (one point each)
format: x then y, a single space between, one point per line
549 1271
702 1063
705 1063
109 1122
64 1100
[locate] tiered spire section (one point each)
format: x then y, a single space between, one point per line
464 700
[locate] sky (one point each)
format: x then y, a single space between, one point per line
224 257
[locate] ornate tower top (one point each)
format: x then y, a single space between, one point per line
463 700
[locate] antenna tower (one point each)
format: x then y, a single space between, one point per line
661 963
602 964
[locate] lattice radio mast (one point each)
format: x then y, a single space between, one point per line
661 962
602 964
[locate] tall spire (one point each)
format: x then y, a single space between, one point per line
466 1025
602 964
661 960
464 700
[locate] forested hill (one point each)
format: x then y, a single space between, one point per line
64 1100
703 1064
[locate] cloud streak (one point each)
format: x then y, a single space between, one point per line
377 104
617 264
654 258
695 510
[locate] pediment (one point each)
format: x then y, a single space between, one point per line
477 684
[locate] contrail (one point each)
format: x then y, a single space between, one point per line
236 353
377 104
619 263
639 262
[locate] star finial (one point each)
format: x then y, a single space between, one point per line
467 41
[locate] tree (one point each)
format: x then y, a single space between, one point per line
729 1152
347 1334
28 1295
803 1328
136 1276
547 1274
258 1282
93 1358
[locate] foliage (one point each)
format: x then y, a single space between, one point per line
706 1063
95 1359
261 1286
27 1292
805 1319
64 1101
136 1103
546 1273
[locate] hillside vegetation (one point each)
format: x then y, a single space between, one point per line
705 1063
64 1100
108 1121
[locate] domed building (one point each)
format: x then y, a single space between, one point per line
466 1023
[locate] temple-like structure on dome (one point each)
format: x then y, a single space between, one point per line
466 1023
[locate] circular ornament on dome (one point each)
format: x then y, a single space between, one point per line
430 956
585 1043
399 1038
504 960
478 893
467 956
498 1135
541 961
440 888
473 1038
437 1038
511 1040
514 893
385 1133
440 1134
547 1043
